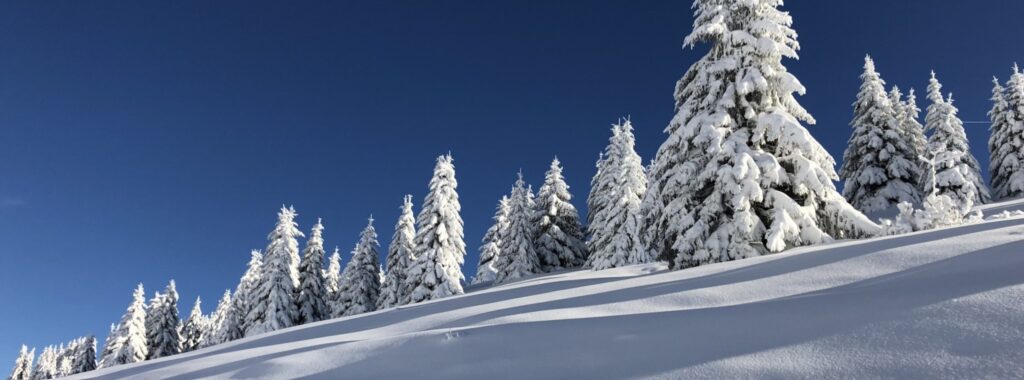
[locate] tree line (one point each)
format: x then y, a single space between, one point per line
738 175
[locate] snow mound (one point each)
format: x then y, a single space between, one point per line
945 303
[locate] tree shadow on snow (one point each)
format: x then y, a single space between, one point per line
775 267
652 344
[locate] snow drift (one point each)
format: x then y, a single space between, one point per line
934 304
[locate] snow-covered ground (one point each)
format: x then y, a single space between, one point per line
935 304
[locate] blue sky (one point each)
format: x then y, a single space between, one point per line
149 141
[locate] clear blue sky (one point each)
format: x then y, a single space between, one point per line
145 141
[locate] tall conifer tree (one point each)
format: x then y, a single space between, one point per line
738 175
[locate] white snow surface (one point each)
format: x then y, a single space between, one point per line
945 303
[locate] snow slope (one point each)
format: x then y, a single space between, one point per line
935 304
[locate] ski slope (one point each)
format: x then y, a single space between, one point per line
936 304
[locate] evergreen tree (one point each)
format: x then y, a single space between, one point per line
237 321
111 344
615 229
880 165
739 175
46 365
312 295
518 256
1006 143
85 357
560 240
65 358
193 328
273 306
395 290
957 171
129 342
908 115
23 364
490 252
360 282
215 333
332 278
162 335
440 248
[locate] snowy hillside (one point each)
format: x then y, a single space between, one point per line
936 304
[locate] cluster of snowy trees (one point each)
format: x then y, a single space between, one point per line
543 233
1006 142
890 160
738 175
77 356
928 172
281 288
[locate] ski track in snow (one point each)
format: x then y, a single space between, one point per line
945 303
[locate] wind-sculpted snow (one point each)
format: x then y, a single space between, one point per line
945 303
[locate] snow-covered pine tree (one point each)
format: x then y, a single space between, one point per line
110 345
518 256
440 248
312 294
913 133
615 229
595 203
1006 143
958 174
23 364
272 306
129 342
739 175
237 323
215 329
65 358
880 166
332 277
162 335
154 313
490 251
395 291
360 282
193 328
85 355
46 365
559 235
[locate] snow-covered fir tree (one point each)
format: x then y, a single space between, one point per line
908 115
490 251
615 229
162 335
110 345
65 358
128 344
881 167
46 365
440 248
23 364
236 322
360 282
215 328
395 291
272 306
739 175
958 174
193 328
312 293
1006 142
332 275
518 256
85 355
560 240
